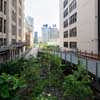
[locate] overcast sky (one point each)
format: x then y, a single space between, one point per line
43 12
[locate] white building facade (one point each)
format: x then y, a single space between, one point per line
50 34
36 37
45 35
80 25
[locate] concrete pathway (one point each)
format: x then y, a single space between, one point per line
33 52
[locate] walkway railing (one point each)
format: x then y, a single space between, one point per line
12 52
90 62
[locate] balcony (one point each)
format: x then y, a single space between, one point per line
11 52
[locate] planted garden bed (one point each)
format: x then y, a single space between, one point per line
43 78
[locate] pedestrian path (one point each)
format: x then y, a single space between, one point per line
32 52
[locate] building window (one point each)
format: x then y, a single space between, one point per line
66 23
73 19
4 26
73 45
65 3
72 6
5 6
73 32
66 44
20 11
20 32
20 22
66 34
20 1
14 30
13 41
14 3
1 5
14 16
1 22
1 42
65 12
5 42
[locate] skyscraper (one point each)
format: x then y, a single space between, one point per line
49 33
45 35
36 37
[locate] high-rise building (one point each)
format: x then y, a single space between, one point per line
45 36
80 25
49 33
36 37
11 22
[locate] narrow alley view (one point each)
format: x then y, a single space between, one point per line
49 49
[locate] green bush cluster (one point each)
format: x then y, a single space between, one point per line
77 86
42 78
9 85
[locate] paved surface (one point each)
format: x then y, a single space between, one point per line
33 52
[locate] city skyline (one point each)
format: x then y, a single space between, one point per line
42 12
50 49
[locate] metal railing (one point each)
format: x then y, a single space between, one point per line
12 52
90 62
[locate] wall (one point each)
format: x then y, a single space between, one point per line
87 25
61 23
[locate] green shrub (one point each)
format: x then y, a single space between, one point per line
77 86
41 97
35 78
13 67
9 85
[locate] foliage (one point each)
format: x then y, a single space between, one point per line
32 70
52 65
13 67
41 97
42 78
51 47
77 86
47 47
9 85
39 88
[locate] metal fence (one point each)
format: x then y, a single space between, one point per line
90 63
12 54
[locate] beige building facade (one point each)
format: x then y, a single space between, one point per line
80 25
28 31
11 22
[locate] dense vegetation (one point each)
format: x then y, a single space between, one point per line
42 78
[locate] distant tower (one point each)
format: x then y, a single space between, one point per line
49 33
35 37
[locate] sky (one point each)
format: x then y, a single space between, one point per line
43 12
